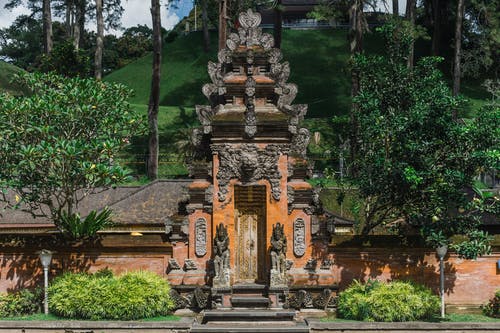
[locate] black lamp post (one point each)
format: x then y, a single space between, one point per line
45 258
441 252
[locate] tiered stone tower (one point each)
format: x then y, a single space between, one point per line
254 222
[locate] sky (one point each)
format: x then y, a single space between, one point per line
136 12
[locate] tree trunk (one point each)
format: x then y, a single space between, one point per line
356 46
47 27
410 16
80 21
100 40
204 22
436 34
458 49
154 97
222 24
67 20
395 8
278 24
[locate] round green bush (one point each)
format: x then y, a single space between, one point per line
393 301
23 302
130 296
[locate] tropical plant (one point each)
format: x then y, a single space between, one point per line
131 296
492 309
392 301
23 302
58 145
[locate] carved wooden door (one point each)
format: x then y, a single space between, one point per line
250 234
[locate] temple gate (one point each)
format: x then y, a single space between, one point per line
255 225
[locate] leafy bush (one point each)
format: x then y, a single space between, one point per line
393 301
24 302
130 296
492 309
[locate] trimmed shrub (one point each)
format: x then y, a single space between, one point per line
130 296
492 309
24 302
393 301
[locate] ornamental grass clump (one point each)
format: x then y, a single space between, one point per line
131 296
392 301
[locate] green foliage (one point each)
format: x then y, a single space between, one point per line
78 228
131 296
24 302
66 60
415 159
436 238
492 309
477 244
60 143
393 301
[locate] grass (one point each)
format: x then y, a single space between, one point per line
6 73
450 318
51 317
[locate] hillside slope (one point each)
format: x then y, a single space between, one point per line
6 73
318 62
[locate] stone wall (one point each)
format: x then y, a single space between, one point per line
468 282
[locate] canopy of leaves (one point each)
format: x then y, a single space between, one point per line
58 144
415 160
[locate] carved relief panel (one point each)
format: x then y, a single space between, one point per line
299 237
201 237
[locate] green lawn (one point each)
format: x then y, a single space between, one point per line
50 317
452 317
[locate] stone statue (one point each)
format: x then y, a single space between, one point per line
221 260
278 256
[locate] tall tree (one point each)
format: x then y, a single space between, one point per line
222 23
357 25
100 40
410 16
278 23
47 27
204 22
154 97
395 7
458 48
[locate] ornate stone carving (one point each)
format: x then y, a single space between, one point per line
287 94
190 265
200 299
325 300
311 265
278 256
205 114
249 19
299 237
296 113
221 260
301 299
289 264
280 72
180 302
201 237
326 264
173 265
274 56
209 194
224 56
300 142
250 164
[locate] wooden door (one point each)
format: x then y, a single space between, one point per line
250 235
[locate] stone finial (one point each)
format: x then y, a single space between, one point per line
249 19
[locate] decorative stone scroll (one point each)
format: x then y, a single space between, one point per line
249 164
201 237
299 237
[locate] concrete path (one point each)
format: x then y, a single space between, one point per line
186 324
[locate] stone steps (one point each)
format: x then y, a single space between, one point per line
250 301
248 315
250 327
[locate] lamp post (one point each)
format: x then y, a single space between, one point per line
45 258
441 252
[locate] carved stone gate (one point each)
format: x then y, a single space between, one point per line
252 217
